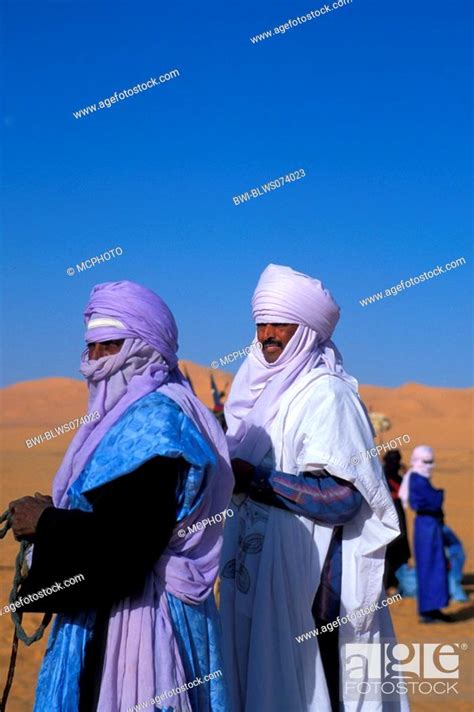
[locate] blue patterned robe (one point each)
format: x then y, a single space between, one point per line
152 426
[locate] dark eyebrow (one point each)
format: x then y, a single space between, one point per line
110 341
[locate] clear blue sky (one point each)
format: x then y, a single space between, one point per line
371 100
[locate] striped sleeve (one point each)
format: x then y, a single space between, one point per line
322 497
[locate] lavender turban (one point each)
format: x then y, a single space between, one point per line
147 362
285 296
282 296
143 313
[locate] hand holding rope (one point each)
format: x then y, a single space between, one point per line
19 632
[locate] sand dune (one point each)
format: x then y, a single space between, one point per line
438 416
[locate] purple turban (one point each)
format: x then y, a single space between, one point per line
147 362
286 297
144 314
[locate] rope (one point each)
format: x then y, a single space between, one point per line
5 517
11 672
19 631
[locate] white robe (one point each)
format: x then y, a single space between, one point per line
272 558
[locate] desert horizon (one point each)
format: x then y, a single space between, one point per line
440 417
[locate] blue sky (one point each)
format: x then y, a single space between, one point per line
372 101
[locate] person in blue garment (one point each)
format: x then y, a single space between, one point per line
129 499
456 557
431 562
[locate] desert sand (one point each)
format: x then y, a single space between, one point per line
440 417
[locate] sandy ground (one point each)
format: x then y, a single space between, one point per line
440 417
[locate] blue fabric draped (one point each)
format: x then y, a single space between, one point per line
454 551
456 557
198 630
153 426
431 565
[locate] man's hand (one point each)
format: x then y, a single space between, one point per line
26 512
243 473
44 498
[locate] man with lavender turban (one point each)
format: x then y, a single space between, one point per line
312 519
129 498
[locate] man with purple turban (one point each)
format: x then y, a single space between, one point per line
312 516
142 629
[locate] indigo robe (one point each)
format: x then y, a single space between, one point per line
431 564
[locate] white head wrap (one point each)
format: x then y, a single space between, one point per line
419 464
281 296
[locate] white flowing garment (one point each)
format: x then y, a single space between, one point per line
272 558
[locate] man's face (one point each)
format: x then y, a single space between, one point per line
274 338
98 349
429 463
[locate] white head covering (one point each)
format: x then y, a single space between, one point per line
419 463
305 408
281 296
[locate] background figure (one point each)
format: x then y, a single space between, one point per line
398 550
218 403
431 563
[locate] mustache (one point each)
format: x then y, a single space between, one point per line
272 342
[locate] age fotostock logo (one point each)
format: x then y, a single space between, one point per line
394 669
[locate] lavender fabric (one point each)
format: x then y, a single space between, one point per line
294 298
147 362
282 295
